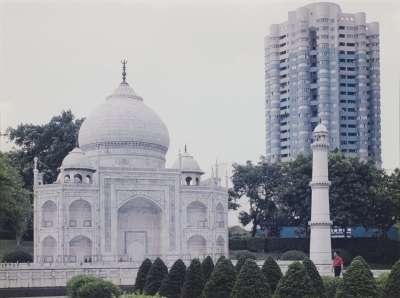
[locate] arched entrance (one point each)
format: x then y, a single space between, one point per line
197 246
139 229
80 249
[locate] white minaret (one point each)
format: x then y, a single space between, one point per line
320 239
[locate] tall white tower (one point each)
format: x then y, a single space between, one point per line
320 240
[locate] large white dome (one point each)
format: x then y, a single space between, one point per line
124 122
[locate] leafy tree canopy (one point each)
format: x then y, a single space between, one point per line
50 142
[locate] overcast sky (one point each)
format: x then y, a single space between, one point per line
198 64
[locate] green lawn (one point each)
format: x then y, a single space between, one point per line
10 245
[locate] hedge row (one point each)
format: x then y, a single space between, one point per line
372 249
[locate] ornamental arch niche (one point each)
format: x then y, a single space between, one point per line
49 249
220 216
139 228
49 214
196 215
197 245
80 248
220 243
80 214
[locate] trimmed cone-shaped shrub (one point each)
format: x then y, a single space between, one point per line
315 278
141 276
207 267
392 284
171 286
158 271
241 260
221 281
194 281
357 282
251 282
272 273
77 282
331 284
99 288
295 283
364 262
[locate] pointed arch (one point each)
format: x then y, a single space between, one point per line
49 214
196 214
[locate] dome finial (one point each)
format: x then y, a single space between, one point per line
124 62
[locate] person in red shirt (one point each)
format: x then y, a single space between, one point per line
337 264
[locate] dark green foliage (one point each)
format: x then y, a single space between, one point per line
392 285
17 256
50 142
15 205
362 260
272 273
158 271
251 282
194 281
99 288
293 255
357 282
207 267
331 284
141 276
76 282
172 285
242 259
381 283
221 281
256 244
295 283
316 280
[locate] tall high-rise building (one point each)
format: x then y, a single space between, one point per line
323 65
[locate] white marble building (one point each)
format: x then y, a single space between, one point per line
115 201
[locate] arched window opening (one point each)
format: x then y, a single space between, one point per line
220 216
80 249
49 249
197 246
80 214
188 180
78 178
197 181
220 243
49 214
67 179
197 215
88 179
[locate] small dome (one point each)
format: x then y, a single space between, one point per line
187 163
320 128
76 159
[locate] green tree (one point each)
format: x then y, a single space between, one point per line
99 288
15 206
141 276
221 281
392 285
194 281
272 272
316 280
260 185
242 260
366 265
295 283
172 285
207 267
357 282
251 282
158 271
50 142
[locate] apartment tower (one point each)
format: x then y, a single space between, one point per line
322 65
